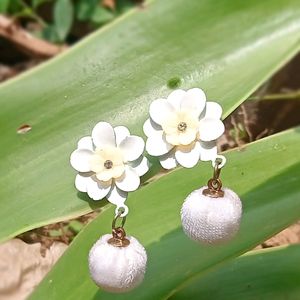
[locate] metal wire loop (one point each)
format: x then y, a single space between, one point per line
217 170
214 184
118 233
118 216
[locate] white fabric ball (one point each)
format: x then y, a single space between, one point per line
211 220
117 269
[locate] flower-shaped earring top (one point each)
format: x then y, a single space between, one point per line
183 128
110 163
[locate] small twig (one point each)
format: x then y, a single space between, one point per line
295 95
25 41
240 143
247 122
264 133
33 14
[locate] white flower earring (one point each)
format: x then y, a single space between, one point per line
182 130
109 164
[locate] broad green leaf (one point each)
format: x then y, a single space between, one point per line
63 17
266 176
225 47
264 274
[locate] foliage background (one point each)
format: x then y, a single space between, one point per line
227 48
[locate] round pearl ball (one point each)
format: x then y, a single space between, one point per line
117 269
211 220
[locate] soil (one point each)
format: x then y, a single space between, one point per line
22 267
290 235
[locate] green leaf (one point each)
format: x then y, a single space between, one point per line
265 175
75 226
37 3
49 33
85 9
4 4
15 7
63 17
101 15
224 47
264 274
124 5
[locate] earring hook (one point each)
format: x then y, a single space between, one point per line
214 184
118 233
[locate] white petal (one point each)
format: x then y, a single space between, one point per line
210 129
188 156
141 165
103 135
175 98
194 100
132 147
105 175
159 110
80 160
208 150
116 196
81 181
97 190
151 128
168 161
129 181
188 137
213 110
121 133
85 143
157 145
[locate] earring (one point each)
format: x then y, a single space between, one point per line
212 215
183 129
109 164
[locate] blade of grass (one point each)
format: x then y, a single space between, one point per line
264 274
225 47
266 176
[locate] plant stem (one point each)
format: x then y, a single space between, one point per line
295 95
33 14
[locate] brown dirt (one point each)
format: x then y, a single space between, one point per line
290 235
22 267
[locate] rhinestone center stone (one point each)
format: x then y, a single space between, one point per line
182 126
108 164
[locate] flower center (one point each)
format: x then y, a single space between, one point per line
108 164
182 126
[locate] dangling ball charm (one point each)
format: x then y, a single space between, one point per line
211 220
117 269
212 215
117 262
